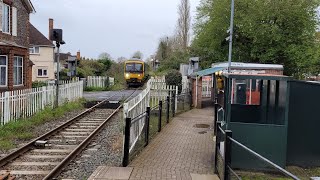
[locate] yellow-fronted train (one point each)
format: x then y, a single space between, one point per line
135 72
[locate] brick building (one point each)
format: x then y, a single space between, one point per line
15 66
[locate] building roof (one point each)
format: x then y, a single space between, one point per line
239 65
209 71
257 76
63 56
30 6
37 38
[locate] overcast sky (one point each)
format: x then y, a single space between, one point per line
118 27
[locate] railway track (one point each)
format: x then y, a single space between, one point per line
46 156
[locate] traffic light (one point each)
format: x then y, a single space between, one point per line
56 35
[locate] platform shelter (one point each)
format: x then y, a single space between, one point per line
255 108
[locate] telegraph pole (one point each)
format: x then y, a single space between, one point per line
231 35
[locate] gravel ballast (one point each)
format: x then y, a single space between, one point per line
104 150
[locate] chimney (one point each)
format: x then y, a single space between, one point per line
78 55
50 27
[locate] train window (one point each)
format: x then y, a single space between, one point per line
129 67
134 67
138 67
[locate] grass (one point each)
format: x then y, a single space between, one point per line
22 128
302 173
260 176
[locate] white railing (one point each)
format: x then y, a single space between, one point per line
20 104
135 108
160 91
99 81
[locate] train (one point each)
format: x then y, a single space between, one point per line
135 72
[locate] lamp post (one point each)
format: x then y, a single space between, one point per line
231 35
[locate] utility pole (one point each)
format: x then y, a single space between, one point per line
58 74
56 35
231 35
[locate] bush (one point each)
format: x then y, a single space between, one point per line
174 77
37 84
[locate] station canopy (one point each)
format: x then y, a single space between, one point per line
208 71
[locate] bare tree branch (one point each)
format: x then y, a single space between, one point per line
183 25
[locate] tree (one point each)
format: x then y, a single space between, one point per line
121 59
184 22
281 32
137 55
104 55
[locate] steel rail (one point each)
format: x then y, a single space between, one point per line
57 170
15 154
29 146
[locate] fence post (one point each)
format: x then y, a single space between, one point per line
217 147
168 109
190 99
160 116
227 153
147 126
173 103
126 147
215 119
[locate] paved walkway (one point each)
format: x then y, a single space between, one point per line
181 151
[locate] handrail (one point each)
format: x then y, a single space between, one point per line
264 159
222 130
234 173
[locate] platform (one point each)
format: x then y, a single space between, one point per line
183 150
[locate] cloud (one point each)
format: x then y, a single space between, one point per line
119 27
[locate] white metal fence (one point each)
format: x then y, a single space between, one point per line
19 104
155 91
99 81
160 91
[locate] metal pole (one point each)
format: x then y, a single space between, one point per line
160 116
231 35
125 160
58 77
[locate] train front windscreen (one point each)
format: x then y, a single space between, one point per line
134 67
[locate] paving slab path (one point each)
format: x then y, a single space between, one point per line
183 150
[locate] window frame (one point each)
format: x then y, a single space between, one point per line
42 70
4 5
34 50
6 66
16 66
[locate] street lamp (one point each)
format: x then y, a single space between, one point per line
56 35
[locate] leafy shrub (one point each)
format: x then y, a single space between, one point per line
174 77
37 84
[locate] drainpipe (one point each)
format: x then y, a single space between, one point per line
196 92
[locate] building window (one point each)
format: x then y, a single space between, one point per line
3 70
34 50
18 70
42 72
5 18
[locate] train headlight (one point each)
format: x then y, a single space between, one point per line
127 75
139 75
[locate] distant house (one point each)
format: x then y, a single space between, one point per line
15 66
69 62
41 52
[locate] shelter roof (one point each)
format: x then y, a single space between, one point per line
208 71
